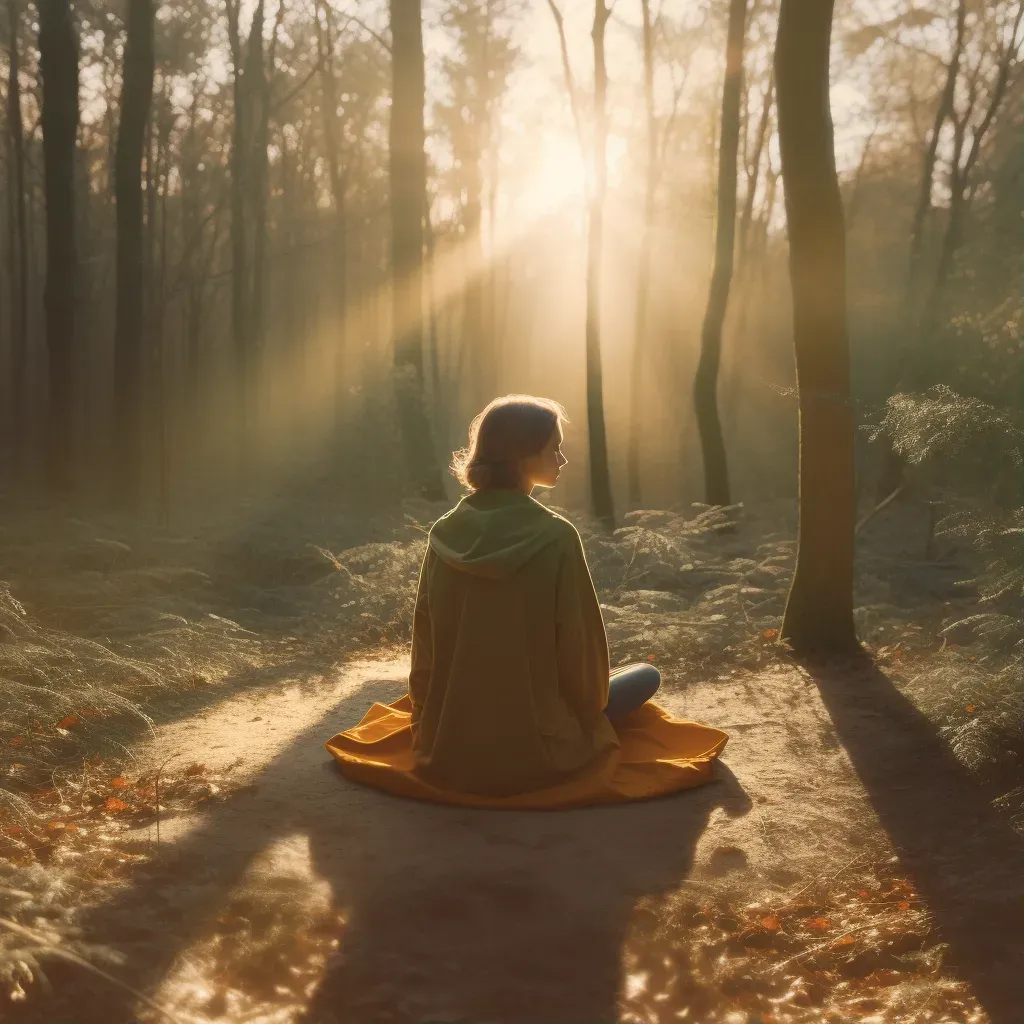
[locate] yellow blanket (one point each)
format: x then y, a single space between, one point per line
657 755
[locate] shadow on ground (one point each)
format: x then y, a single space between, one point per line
967 861
443 912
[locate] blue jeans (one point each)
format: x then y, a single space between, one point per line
631 687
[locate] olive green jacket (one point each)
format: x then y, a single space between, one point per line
509 657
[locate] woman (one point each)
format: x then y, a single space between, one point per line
510 684
511 702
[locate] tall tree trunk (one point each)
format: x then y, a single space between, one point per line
260 75
129 327
705 389
408 177
18 256
819 611
240 290
943 112
339 189
643 274
753 174
601 500
58 65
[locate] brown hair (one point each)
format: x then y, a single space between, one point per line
508 430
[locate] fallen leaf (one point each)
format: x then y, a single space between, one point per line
771 923
17 741
971 708
113 804
68 722
770 634
843 940
905 905
120 782
819 924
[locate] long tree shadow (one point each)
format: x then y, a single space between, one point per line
448 912
966 859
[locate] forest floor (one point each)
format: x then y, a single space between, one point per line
848 862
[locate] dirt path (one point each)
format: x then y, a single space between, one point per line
305 897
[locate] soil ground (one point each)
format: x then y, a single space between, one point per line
841 866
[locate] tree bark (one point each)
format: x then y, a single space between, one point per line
58 65
942 114
819 611
601 500
705 389
339 193
129 326
18 256
407 168
643 275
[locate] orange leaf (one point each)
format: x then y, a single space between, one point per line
113 804
843 940
55 826
971 708
905 905
17 741
770 634
771 923
68 722
819 924
195 769
120 782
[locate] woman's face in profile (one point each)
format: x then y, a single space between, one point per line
542 469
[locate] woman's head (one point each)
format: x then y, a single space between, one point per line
513 443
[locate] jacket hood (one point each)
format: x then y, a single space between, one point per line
494 533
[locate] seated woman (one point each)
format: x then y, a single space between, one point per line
511 701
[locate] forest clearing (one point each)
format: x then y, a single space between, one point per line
262 265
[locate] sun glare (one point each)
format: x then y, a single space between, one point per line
557 177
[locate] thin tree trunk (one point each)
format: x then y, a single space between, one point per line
18 257
58 65
643 276
601 500
240 292
408 181
705 389
339 188
260 74
129 326
819 611
753 173
942 114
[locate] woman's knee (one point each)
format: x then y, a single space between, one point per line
651 678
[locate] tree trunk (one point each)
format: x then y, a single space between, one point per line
819 611
705 389
943 112
602 504
240 281
129 329
58 65
408 177
643 275
18 256
339 189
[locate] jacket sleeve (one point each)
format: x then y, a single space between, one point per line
422 642
583 664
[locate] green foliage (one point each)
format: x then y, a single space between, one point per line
944 423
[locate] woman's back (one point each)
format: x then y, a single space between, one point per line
510 660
